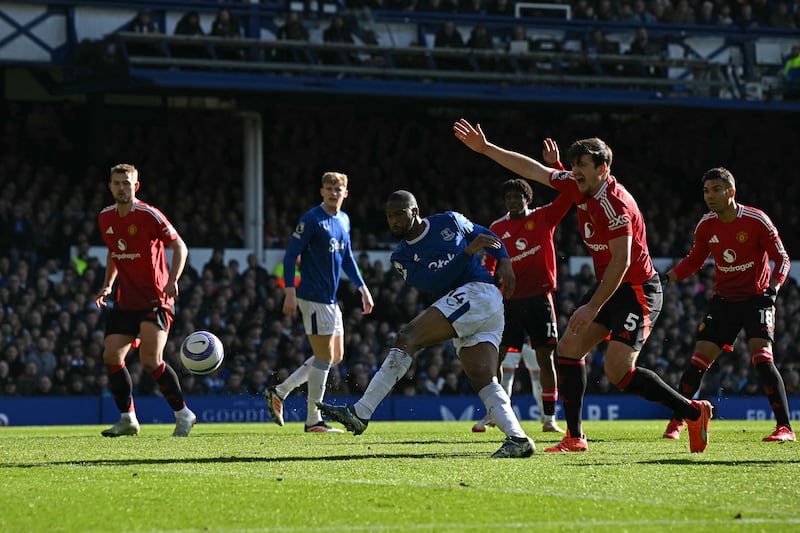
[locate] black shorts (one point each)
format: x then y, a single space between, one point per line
535 316
725 319
122 322
631 312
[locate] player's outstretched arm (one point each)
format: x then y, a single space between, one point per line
516 162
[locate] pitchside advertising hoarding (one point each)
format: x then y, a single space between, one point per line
44 411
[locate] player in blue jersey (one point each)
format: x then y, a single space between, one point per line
322 240
439 255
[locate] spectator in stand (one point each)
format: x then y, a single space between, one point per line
189 24
583 10
642 45
781 17
472 7
436 6
762 10
642 14
682 13
143 23
5 375
293 29
480 39
607 11
746 18
216 264
626 13
706 15
724 17
226 26
500 8
659 10
791 74
596 43
338 32
449 37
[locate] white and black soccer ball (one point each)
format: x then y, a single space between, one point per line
202 352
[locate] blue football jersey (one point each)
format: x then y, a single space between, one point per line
435 261
322 241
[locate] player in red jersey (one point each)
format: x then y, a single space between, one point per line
136 235
742 240
627 299
528 236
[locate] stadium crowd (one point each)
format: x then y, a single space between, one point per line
53 176
757 13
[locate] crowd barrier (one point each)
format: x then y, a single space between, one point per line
86 410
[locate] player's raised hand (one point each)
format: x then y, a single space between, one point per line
550 152
472 137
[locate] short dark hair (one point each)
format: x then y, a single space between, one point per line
403 198
720 173
518 185
597 148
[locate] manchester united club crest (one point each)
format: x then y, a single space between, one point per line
132 230
529 225
742 237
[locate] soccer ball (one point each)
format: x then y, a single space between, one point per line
202 352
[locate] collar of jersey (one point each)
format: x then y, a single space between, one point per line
424 232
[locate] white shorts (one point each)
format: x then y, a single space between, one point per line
527 354
321 319
475 311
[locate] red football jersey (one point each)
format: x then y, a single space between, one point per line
741 250
136 245
609 214
529 242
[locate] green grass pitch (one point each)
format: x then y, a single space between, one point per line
398 476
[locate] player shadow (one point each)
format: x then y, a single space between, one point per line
235 459
734 463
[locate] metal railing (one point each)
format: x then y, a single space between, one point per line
692 76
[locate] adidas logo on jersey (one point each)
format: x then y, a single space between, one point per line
713 240
506 235
110 231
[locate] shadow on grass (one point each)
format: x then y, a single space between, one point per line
236 459
736 462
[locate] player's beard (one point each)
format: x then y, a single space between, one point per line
124 199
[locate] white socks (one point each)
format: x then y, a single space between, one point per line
317 380
536 385
508 380
498 407
297 378
394 367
